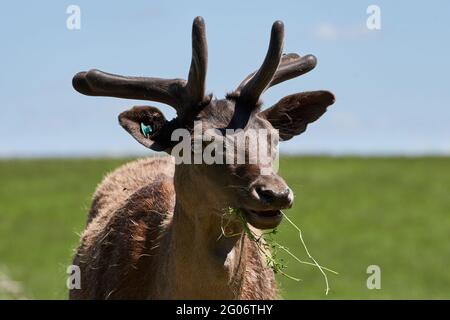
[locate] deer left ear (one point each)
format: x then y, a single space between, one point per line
292 114
147 125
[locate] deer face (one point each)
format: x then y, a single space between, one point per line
229 144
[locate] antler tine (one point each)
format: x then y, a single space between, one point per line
285 59
199 63
294 69
257 84
184 96
291 66
99 83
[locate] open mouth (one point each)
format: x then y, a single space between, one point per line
263 219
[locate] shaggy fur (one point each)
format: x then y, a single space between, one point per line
128 249
155 231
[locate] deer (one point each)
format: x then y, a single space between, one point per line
154 227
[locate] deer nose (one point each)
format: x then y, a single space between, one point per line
272 197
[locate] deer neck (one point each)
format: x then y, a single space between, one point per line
201 262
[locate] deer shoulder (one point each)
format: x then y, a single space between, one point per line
130 210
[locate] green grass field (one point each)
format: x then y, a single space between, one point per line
354 212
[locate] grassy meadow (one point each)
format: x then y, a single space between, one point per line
354 212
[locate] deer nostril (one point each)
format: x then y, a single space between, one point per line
266 195
269 196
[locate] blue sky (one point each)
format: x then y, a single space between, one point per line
391 85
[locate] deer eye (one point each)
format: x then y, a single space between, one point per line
146 130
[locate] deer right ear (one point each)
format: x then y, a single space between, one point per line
292 114
147 125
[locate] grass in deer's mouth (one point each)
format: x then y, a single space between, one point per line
270 248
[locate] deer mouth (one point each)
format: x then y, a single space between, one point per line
268 219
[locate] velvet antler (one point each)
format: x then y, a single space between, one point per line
187 97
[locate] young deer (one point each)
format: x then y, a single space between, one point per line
154 228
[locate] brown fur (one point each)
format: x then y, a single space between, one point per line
134 245
154 230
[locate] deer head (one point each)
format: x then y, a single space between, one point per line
223 184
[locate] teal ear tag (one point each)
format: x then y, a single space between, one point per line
146 130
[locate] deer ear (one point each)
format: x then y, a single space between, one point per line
293 113
147 125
